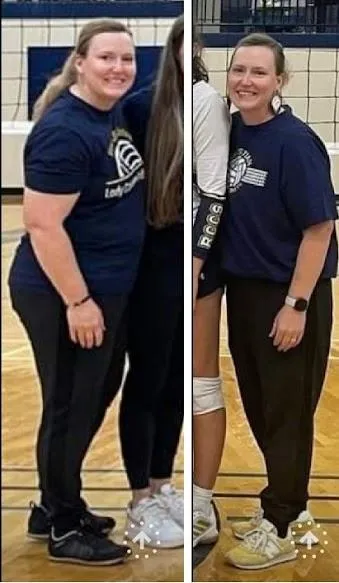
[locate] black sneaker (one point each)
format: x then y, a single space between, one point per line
39 523
99 525
85 548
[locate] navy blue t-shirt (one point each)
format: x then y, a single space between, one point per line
163 257
279 184
137 112
75 148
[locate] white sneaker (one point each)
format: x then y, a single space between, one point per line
262 548
173 500
150 521
299 527
204 527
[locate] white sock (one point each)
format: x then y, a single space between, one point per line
202 499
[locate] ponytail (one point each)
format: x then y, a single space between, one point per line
55 87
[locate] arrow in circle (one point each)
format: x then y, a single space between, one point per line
141 538
309 539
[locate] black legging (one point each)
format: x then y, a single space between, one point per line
77 387
152 405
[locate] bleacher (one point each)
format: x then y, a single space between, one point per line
272 16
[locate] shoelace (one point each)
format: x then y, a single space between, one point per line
177 499
258 539
156 508
88 524
258 516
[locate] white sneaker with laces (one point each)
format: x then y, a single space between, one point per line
204 527
262 548
149 520
299 527
173 500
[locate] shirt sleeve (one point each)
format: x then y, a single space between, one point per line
307 189
56 160
137 111
211 129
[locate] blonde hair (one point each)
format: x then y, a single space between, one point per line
68 75
164 159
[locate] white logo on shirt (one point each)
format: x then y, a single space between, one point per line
240 171
129 165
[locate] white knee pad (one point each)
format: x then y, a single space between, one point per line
207 395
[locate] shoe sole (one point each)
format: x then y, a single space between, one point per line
270 563
107 563
39 538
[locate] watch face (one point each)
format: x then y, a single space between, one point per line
301 305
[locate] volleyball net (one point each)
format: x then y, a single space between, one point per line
37 35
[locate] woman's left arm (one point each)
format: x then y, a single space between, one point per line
311 258
309 198
289 325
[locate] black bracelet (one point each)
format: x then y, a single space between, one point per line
76 304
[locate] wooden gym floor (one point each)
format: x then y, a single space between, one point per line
240 479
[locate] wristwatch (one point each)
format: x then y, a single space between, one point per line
299 304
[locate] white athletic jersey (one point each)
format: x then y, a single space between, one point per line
211 129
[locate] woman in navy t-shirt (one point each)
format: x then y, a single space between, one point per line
73 272
151 412
279 255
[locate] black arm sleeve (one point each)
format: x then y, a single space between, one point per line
206 224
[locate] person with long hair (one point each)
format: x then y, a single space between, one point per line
211 127
151 411
279 253
73 272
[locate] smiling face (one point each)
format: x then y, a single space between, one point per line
108 69
252 81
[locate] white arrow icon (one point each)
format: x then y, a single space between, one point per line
309 539
141 538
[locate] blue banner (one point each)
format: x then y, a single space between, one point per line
94 9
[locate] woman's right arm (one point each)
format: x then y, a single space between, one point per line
57 164
44 215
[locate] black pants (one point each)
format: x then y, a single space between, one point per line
280 391
152 405
77 387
